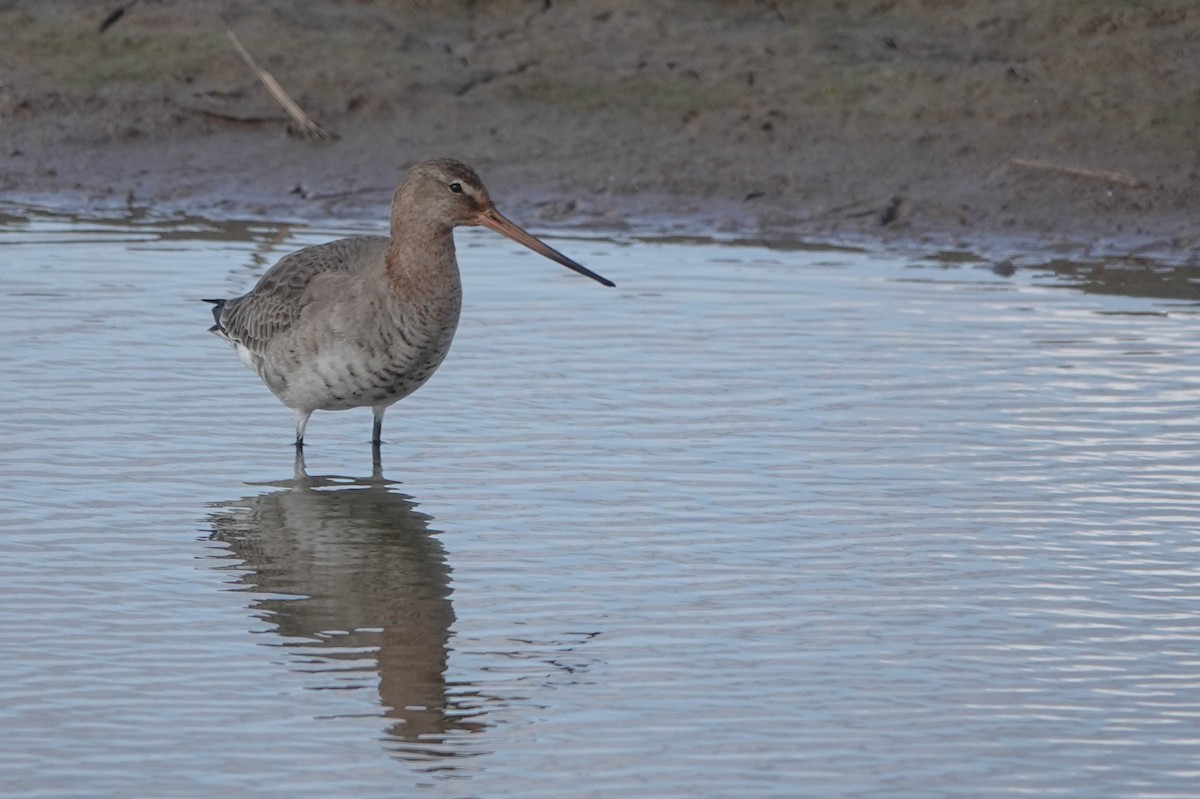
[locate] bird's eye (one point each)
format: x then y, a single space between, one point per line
456 187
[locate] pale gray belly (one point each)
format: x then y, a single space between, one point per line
336 373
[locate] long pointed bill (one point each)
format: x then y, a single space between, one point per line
496 221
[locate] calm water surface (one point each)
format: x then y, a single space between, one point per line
757 523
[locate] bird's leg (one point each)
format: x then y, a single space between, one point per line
376 464
377 429
301 423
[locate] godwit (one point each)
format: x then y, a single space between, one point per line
366 320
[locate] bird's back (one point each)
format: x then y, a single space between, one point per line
292 285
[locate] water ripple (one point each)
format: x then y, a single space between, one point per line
756 523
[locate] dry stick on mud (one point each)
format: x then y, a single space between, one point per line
1124 178
310 129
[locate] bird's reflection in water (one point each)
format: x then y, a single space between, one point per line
361 596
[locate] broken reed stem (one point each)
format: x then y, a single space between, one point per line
1123 178
310 129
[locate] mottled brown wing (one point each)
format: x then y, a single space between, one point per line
276 302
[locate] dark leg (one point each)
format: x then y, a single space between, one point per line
377 429
376 463
301 423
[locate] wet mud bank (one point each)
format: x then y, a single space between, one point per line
1072 126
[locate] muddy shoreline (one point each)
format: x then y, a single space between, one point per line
1073 126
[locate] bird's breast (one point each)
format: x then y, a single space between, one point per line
374 357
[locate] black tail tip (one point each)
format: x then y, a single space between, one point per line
218 306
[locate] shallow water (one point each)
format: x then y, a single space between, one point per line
756 523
